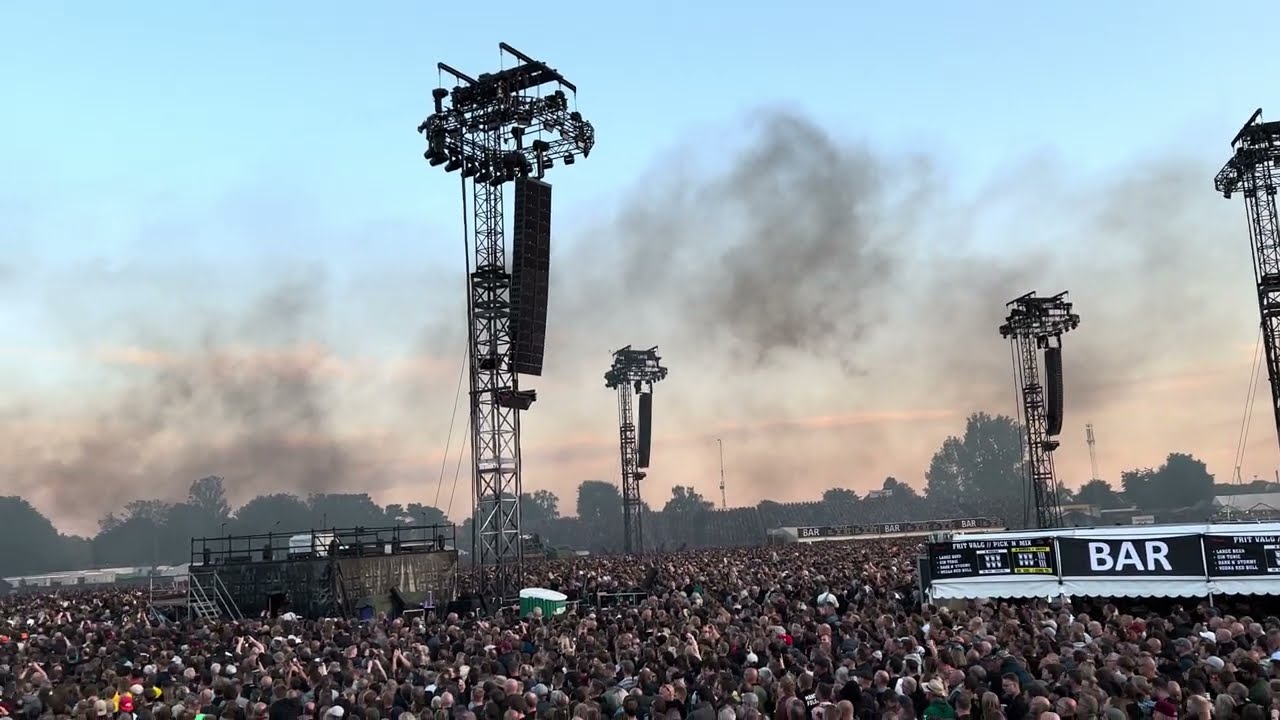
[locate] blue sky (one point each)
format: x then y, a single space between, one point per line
234 132
123 108
229 137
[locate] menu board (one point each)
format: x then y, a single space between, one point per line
1242 555
977 558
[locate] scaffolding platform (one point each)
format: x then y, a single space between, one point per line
325 573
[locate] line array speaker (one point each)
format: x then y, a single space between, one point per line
644 432
1053 394
530 274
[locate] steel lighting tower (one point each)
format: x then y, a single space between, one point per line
1093 451
1035 324
507 126
724 499
634 371
1252 171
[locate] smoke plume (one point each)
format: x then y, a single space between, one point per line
798 278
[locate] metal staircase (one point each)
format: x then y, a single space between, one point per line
199 603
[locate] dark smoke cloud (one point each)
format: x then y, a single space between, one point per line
180 413
802 275
806 255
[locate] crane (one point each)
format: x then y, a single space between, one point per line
1093 450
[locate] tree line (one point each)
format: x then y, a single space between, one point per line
982 472
978 473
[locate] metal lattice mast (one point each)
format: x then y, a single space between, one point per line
632 511
724 499
1035 324
1043 497
495 435
633 371
1252 171
1093 451
493 130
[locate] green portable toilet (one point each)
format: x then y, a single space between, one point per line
551 602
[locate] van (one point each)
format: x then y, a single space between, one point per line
315 545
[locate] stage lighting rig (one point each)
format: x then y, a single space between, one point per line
634 371
1036 324
1254 172
507 126
538 129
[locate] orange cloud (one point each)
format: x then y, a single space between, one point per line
592 441
1195 411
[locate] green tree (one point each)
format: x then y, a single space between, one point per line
33 543
151 511
839 505
1183 481
260 514
539 508
895 488
599 502
208 495
600 510
1140 489
686 501
945 478
840 496
1100 494
981 471
425 515
339 510
137 536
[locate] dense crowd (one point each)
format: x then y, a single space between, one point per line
831 631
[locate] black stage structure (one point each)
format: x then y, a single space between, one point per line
1034 325
509 126
323 573
633 374
1252 171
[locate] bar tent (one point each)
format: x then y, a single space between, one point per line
1138 561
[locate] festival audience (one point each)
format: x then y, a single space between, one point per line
827 631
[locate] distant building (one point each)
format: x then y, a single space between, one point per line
100 576
1119 516
1249 506
1080 515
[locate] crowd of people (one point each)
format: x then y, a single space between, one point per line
828 631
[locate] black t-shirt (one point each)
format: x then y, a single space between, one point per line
1017 708
285 709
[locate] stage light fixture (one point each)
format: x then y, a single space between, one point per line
454 164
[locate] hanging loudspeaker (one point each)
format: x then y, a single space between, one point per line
644 432
1053 394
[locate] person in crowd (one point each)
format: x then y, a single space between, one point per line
825 631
